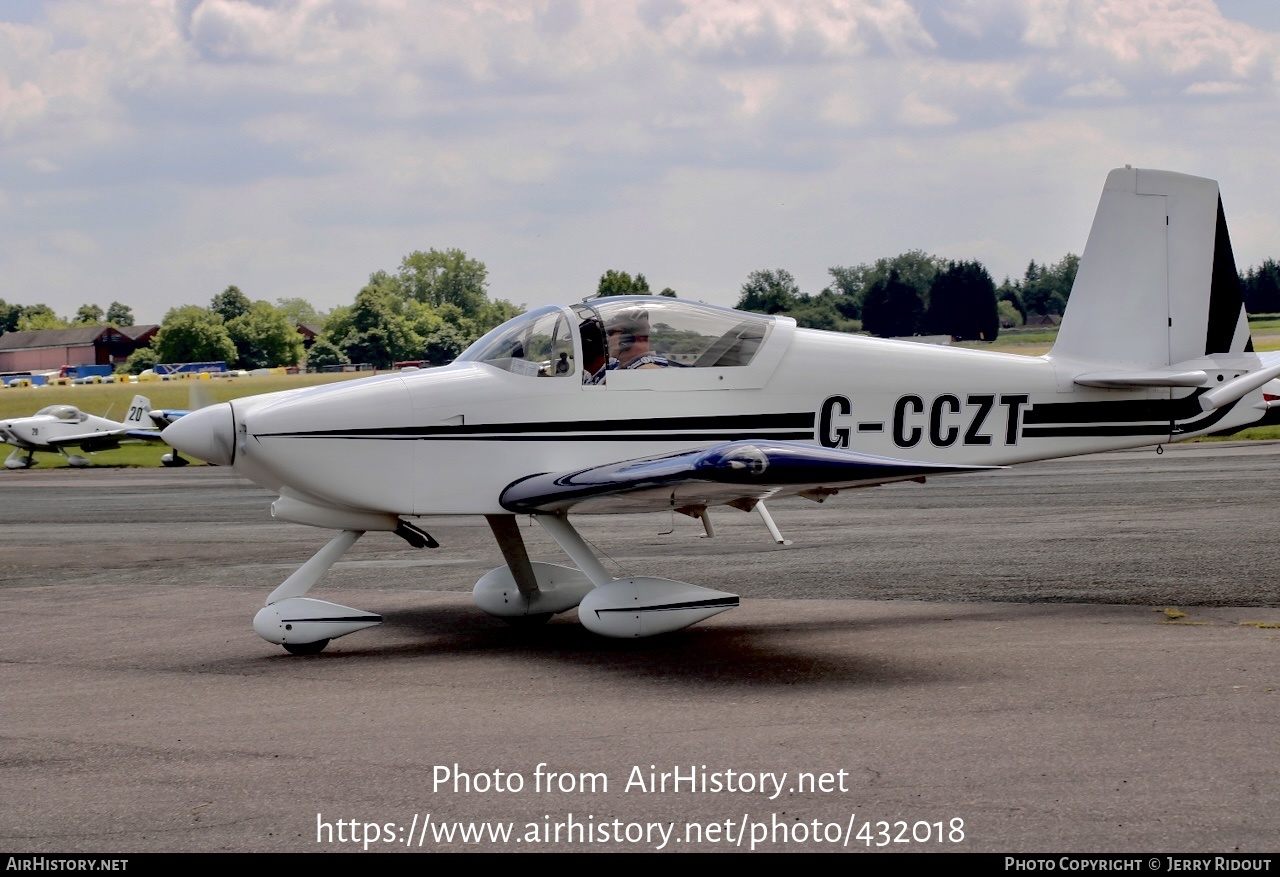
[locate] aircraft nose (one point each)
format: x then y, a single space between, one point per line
207 434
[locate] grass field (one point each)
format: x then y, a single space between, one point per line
112 400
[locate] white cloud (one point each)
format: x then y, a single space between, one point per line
301 144
1217 88
1106 87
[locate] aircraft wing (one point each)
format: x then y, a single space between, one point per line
732 473
87 440
146 435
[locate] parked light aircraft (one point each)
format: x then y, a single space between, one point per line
649 403
55 428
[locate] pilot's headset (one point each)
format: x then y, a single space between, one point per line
594 349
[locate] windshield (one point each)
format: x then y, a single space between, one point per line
538 344
62 412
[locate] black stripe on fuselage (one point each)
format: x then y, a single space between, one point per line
1150 417
793 426
1185 421
1114 412
562 437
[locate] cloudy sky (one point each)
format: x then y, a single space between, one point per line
155 151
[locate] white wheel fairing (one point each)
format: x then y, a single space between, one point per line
301 620
646 606
560 588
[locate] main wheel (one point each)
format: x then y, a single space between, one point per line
314 648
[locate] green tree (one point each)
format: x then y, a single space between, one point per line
1010 317
299 310
769 291
621 283
492 314
230 303
1261 288
379 334
962 303
1010 293
88 315
34 317
668 292
447 277
139 361
9 316
817 312
120 314
1045 289
444 344
337 325
849 289
325 353
916 268
265 337
193 334
891 308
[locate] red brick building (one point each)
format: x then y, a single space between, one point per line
46 349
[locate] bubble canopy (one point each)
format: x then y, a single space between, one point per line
557 341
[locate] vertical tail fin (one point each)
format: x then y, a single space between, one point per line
1157 283
139 408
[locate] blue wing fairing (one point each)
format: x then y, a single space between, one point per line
716 475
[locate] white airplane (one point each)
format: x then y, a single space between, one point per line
55 428
650 403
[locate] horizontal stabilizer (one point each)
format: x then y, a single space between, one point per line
1126 379
722 474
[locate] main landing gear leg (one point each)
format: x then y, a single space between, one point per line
511 542
304 625
525 593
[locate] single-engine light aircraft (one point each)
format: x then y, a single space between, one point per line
649 403
55 428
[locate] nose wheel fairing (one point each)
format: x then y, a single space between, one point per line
303 621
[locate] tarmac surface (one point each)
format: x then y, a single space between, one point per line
1073 656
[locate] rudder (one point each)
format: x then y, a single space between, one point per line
1157 283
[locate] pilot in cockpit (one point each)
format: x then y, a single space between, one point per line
628 335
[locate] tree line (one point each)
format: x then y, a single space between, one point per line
437 303
915 293
26 318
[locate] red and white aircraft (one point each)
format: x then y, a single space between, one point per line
650 403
